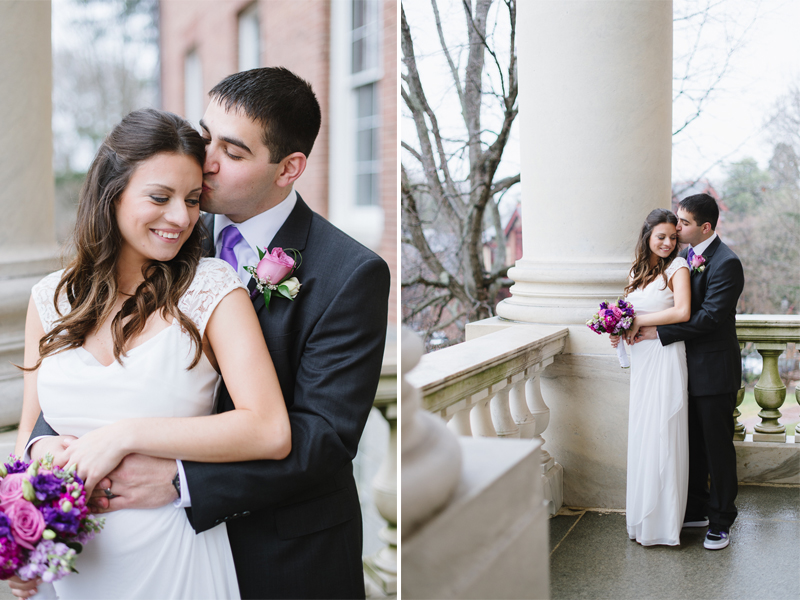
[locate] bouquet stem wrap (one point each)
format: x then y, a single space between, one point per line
46 591
624 361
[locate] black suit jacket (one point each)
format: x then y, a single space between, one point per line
295 525
712 349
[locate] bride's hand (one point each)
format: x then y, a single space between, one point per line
630 335
23 589
614 340
95 454
53 445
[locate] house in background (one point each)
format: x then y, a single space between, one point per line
512 232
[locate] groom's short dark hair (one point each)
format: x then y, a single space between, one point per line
703 208
279 100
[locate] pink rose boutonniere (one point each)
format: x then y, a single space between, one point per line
273 273
698 263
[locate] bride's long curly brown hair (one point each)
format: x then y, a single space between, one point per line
641 272
90 281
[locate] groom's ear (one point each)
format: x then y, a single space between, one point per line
290 169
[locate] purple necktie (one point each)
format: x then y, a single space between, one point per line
230 237
690 256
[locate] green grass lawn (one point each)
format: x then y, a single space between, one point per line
790 411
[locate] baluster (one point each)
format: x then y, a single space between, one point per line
519 407
539 410
797 427
503 422
481 417
459 423
382 566
770 394
738 428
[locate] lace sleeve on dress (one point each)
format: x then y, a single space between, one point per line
678 263
214 280
43 294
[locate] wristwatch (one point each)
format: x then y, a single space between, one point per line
176 483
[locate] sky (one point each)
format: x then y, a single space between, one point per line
762 69
761 38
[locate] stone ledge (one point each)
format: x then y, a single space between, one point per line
768 462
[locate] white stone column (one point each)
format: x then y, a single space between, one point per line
595 80
28 247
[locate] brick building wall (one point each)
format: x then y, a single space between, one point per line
294 34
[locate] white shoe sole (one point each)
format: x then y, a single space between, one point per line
711 545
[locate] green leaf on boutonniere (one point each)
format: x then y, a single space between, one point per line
284 291
267 293
261 253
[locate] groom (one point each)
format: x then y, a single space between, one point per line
294 525
715 368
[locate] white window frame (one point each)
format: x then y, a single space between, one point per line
249 43
364 223
193 90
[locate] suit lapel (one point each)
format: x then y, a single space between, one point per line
712 248
292 234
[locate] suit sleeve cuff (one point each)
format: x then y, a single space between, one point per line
185 501
27 455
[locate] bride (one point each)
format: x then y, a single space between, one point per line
658 447
124 350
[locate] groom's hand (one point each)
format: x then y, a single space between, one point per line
647 333
138 482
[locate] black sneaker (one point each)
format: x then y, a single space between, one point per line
696 522
716 539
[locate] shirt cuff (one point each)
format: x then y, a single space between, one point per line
185 501
27 455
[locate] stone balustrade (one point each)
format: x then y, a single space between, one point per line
380 568
490 387
769 334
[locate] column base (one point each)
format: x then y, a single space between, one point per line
738 436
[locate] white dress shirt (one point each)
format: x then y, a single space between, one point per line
703 246
257 232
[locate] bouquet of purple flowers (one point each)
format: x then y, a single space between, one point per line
615 319
44 520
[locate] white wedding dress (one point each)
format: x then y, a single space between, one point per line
658 439
142 553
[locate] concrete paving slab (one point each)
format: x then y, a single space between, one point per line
593 557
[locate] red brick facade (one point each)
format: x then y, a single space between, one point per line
294 34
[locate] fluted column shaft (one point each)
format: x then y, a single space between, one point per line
595 81
27 238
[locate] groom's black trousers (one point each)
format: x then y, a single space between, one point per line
711 453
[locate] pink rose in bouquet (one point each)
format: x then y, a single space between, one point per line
615 319
11 488
27 523
44 520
